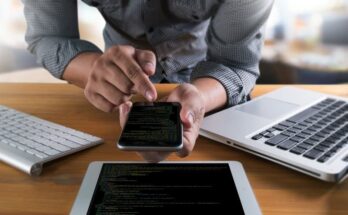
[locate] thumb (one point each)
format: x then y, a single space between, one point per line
187 117
123 112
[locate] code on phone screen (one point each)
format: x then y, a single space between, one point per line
156 125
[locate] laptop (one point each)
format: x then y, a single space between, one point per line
303 130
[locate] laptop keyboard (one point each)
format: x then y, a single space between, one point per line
317 133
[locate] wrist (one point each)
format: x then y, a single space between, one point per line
202 95
213 93
78 70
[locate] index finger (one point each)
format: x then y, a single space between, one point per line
134 72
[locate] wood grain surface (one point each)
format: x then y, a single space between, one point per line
278 190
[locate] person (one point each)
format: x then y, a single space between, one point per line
210 47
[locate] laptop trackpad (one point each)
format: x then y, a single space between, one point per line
268 108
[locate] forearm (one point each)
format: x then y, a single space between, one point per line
80 67
213 93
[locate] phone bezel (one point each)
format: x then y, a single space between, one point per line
154 147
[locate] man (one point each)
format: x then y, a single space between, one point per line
211 45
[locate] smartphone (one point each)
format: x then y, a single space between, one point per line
154 126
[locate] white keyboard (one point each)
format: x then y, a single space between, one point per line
27 142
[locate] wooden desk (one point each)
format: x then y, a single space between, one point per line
279 190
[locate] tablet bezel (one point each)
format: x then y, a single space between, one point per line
85 194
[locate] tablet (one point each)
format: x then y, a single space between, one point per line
133 188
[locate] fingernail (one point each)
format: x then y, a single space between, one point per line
190 117
124 109
149 96
149 66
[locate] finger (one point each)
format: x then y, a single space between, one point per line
112 94
153 157
163 99
116 77
187 148
100 102
191 113
135 74
147 61
124 109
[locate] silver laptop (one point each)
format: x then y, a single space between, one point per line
304 130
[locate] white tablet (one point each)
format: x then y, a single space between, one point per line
129 188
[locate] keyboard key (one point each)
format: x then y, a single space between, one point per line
42 148
31 151
5 141
321 148
22 148
279 127
51 152
316 138
326 144
287 144
257 137
286 133
269 135
313 128
312 154
58 147
323 158
298 150
70 144
276 139
297 139
331 140
303 115
342 143
330 153
293 130
299 127
325 131
305 146
287 123
303 135
76 139
263 133
270 130
40 155
320 134
308 132
335 149
345 159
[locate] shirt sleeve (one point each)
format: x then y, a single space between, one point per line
234 40
52 33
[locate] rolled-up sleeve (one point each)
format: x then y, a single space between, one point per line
52 33
234 40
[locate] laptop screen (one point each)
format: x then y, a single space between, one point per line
165 189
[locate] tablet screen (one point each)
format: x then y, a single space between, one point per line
135 189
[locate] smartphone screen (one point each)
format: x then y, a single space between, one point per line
153 126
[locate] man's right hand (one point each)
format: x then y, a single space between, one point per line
117 74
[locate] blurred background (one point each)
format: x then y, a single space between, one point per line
306 42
